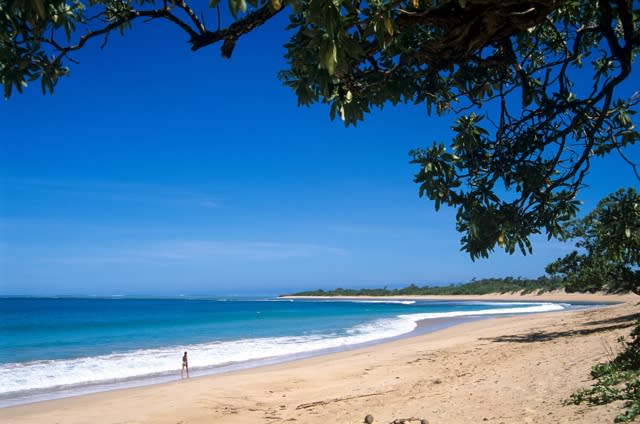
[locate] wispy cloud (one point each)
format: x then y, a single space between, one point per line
359 229
198 249
183 251
118 191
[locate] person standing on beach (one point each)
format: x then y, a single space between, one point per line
185 366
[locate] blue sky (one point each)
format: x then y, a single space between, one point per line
156 170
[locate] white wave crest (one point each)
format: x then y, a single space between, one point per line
395 302
534 308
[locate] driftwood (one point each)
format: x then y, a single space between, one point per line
369 420
409 420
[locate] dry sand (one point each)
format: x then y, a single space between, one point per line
503 370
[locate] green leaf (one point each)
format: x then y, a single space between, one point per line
276 4
234 6
40 8
331 58
388 25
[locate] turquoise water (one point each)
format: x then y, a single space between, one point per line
56 347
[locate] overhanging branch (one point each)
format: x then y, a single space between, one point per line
234 31
199 36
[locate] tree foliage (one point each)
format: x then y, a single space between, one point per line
532 82
608 240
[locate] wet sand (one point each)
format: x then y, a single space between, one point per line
500 370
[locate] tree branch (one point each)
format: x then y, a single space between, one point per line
194 18
122 20
235 30
634 166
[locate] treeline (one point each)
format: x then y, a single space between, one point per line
474 287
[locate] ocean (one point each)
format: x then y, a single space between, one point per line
58 347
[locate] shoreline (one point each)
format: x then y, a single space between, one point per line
282 388
422 326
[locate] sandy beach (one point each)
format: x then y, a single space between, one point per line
499 370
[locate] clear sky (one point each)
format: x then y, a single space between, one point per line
156 170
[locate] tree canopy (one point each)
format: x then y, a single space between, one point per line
535 84
608 240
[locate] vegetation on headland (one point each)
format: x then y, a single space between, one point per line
474 287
